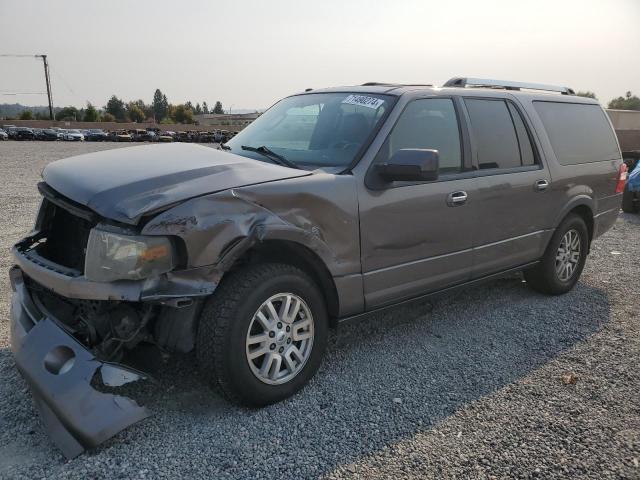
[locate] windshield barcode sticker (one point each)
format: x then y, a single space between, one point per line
363 101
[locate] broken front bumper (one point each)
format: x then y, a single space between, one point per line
62 375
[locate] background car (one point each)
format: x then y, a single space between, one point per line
166 137
3 135
120 136
48 134
22 133
73 136
96 135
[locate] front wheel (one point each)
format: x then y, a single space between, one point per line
262 334
563 261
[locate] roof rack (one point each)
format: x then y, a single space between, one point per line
384 84
506 84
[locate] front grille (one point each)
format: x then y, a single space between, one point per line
64 236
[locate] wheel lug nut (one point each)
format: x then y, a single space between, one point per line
288 328
288 340
273 346
281 349
272 334
279 325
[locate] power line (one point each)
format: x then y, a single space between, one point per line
23 93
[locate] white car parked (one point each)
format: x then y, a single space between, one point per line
73 136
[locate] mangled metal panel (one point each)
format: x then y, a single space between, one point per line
320 215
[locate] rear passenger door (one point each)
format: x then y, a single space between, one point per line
512 186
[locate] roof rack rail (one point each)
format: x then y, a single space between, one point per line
506 84
384 84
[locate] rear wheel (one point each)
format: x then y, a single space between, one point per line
262 334
564 259
629 202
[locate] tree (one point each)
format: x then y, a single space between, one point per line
26 115
587 94
115 107
189 105
67 113
159 105
90 114
182 114
205 107
107 117
628 102
135 113
218 108
198 110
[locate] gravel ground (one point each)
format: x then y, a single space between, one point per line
519 386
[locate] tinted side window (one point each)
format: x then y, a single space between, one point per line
579 133
494 134
429 124
527 156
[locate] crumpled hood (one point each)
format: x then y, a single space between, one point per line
125 183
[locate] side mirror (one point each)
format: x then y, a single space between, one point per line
410 165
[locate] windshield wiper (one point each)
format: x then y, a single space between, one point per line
271 155
225 147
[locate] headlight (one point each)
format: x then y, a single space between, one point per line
111 256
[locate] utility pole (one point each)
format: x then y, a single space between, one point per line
46 77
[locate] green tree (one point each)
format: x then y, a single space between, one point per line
587 94
135 113
116 107
159 105
107 117
26 115
628 102
67 113
90 114
182 114
198 109
205 107
218 108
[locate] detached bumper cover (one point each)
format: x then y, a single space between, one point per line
61 374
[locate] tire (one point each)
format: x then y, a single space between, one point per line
629 205
222 340
544 277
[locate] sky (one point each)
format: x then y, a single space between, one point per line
250 53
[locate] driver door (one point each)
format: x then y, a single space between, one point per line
418 237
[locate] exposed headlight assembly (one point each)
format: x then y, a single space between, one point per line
111 256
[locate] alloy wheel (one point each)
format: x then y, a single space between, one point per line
280 338
568 255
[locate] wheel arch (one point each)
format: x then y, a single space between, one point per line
583 207
298 255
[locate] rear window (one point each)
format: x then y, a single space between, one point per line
579 133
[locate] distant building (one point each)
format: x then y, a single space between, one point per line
231 119
627 126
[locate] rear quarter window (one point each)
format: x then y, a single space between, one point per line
579 133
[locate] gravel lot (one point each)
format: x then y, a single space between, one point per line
495 382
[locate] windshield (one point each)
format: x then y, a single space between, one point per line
316 129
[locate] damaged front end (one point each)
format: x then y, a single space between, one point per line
65 377
83 344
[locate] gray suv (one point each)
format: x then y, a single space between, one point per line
333 204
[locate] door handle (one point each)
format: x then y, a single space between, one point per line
541 185
455 199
